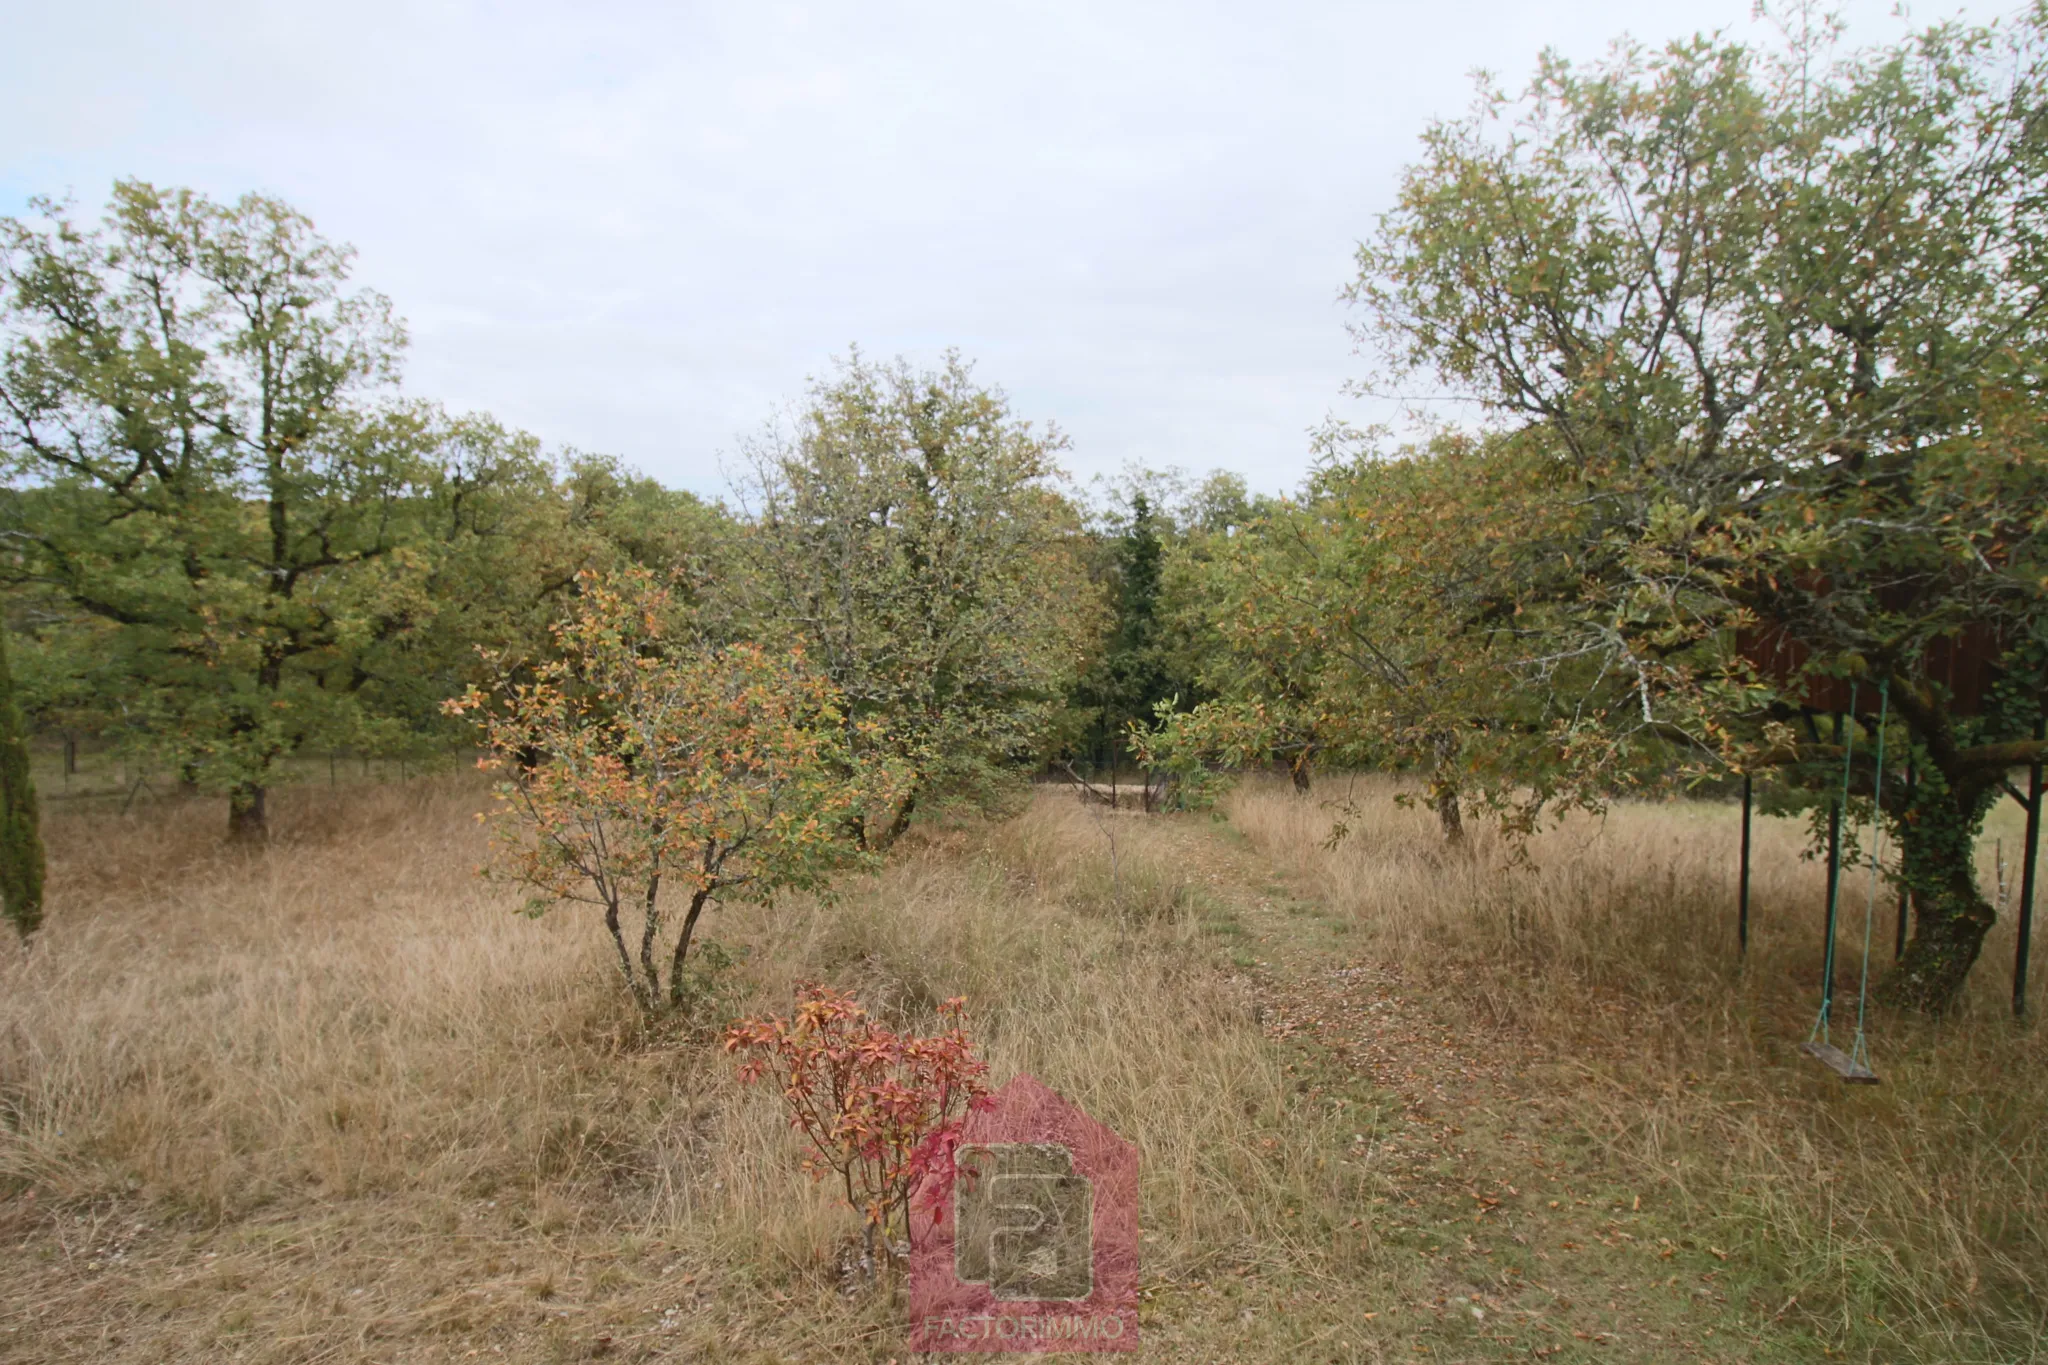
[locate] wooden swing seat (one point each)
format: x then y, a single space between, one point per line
1841 1063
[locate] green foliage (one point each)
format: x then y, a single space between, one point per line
1134 672
642 760
1157 546
1196 749
1767 330
179 403
236 538
21 842
910 535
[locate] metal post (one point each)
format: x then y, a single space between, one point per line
1742 893
1827 987
2027 862
1905 892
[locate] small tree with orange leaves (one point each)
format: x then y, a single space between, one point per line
638 763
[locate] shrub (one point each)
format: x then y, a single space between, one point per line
878 1107
640 762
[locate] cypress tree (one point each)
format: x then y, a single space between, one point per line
21 841
1138 671
1131 676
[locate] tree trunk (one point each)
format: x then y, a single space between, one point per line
21 842
675 972
611 922
897 825
1937 826
1938 840
650 927
248 800
248 813
1443 789
1298 772
1448 813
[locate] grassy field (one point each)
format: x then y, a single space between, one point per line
335 1100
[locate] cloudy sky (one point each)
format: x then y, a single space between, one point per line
638 228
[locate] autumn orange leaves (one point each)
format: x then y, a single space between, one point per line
640 760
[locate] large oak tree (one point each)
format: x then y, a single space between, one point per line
234 537
1772 323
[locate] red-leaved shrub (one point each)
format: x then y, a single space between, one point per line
880 1108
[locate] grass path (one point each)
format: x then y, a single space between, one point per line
1502 1230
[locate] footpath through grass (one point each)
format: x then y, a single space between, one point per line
1593 1133
1494 1225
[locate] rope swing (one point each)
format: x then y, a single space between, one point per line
1853 1066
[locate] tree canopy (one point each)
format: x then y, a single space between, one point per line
1765 329
238 537
910 533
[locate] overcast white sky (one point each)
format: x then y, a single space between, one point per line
638 228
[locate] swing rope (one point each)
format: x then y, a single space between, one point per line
1859 1052
1819 1034
1855 1066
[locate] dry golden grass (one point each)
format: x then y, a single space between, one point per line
1908 1218
336 1100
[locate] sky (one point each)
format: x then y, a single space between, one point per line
642 228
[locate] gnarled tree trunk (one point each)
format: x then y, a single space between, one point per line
1448 813
1938 839
1443 790
1937 827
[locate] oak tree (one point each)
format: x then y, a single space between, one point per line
185 415
1771 324
909 533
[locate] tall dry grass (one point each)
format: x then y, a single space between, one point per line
1910 1217
338 1099
1087 971
281 1103
221 1027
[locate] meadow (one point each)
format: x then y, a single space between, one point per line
336 1099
